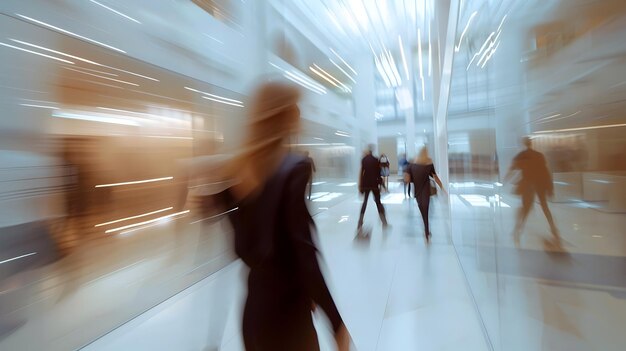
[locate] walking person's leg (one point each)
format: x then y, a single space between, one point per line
423 203
366 195
380 207
310 186
527 204
546 211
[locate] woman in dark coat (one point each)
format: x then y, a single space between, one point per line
273 231
420 172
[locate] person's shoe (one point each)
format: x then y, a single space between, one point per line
363 232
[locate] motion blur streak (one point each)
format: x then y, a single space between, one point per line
215 96
108 78
146 222
37 53
70 33
135 182
18 257
133 217
222 101
40 106
54 51
125 126
115 11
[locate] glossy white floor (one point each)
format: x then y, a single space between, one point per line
393 291
541 296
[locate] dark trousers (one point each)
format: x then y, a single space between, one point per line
423 202
379 205
278 326
407 189
528 198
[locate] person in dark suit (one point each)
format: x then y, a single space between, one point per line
369 182
404 164
273 231
535 180
309 159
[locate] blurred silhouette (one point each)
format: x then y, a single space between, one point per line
535 180
419 173
370 181
272 228
309 159
402 162
404 165
384 171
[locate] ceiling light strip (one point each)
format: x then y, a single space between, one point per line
115 11
146 222
134 182
304 82
222 101
406 67
70 33
344 62
342 70
40 106
103 77
386 67
421 67
381 71
18 257
558 119
83 60
430 53
36 53
323 76
133 217
345 87
214 96
581 128
469 21
481 49
94 118
327 74
53 51
394 68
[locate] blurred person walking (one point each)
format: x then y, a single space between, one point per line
309 159
384 171
420 173
273 230
402 162
370 182
535 179
404 166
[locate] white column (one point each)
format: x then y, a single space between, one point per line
256 33
410 133
507 78
446 18
364 96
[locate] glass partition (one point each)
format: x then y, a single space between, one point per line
92 208
536 151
